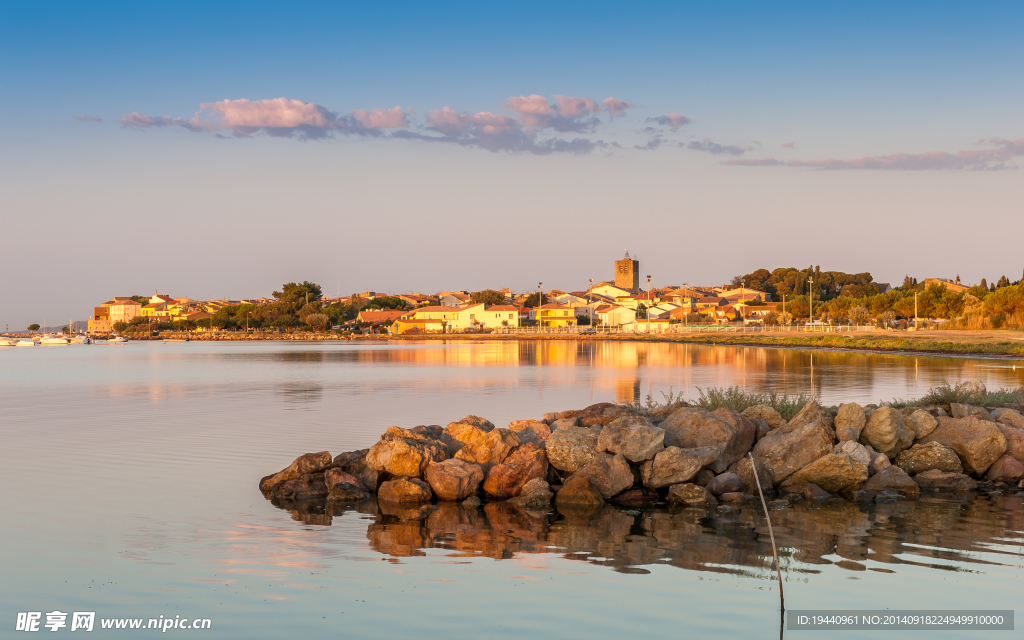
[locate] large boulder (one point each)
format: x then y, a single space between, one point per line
454 479
813 412
876 461
887 432
1014 440
579 491
895 479
691 495
564 423
534 496
972 387
632 436
936 480
570 449
856 451
977 442
922 422
725 483
785 451
1009 417
925 457
533 431
460 434
335 475
525 463
766 413
597 414
347 492
308 486
477 421
489 450
354 463
675 465
401 452
402 490
306 463
850 421
1006 469
744 470
691 428
966 411
611 474
833 472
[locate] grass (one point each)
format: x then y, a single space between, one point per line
647 408
738 399
946 394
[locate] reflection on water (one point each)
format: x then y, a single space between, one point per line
945 533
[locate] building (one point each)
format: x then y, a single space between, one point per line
480 316
99 321
627 274
952 285
554 315
613 315
380 317
609 291
646 326
743 294
407 326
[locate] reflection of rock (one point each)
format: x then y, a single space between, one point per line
454 479
632 436
525 463
895 479
834 472
570 449
405 490
809 491
978 443
306 463
945 480
691 495
925 457
611 474
579 491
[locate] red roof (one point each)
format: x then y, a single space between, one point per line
502 307
438 309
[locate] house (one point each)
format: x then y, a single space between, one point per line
613 315
709 304
662 311
567 298
646 326
380 317
740 294
448 316
452 299
99 321
554 315
123 309
480 316
952 285
610 290
407 325
883 287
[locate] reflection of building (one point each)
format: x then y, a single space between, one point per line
627 390
627 274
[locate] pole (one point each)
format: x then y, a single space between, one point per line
915 309
810 294
650 300
771 534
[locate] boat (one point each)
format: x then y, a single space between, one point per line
117 339
176 339
51 340
81 340
8 342
26 342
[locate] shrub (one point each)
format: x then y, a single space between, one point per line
946 394
738 399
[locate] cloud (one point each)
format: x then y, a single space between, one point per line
994 159
756 162
673 120
616 107
789 145
575 107
496 132
84 117
138 121
280 117
564 115
708 146
393 118
652 144
533 110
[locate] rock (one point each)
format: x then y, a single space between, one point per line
335 475
478 422
454 479
972 387
850 421
813 412
611 474
632 436
966 411
461 434
432 431
489 450
579 491
761 426
725 483
675 465
936 480
596 415
854 449
877 461
691 495
834 472
863 495
922 422
690 428
978 443
526 463
534 496
703 477
744 470
347 492
530 430
925 457
472 502
550 417
564 423
766 413
1010 417
736 496
893 478
887 432
354 463
306 463
308 486
658 414
1006 469
810 491
1014 440
401 452
785 451
570 449
403 490
636 497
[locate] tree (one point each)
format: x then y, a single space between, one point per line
140 299
119 326
386 302
886 318
785 318
1003 282
859 316
736 282
297 296
531 300
33 327
65 330
317 321
488 297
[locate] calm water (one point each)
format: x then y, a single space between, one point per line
130 478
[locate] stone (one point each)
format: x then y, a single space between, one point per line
579 491
810 491
611 474
1014 440
922 422
478 422
306 463
526 463
461 434
966 411
972 387
813 412
936 480
1011 418
597 414
925 457
401 452
850 421
335 475
570 449
347 492
744 470
636 497
472 502
405 489
766 413
762 428
1006 469
977 442
863 495
308 486
632 436
691 495
658 414
703 477
785 451
877 461
854 449
535 496
489 450
564 423
432 431
530 430
895 479
725 483
691 428
354 463
887 432
833 473
675 465
454 479
736 496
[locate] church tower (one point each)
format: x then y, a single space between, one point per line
627 274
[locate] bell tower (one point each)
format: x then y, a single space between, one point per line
627 274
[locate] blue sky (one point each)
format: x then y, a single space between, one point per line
882 107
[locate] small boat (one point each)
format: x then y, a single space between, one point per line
117 339
51 340
81 340
176 339
8 342
26 342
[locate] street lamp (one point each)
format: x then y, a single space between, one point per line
810 294
650 300
540 301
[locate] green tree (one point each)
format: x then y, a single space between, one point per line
1005 301
859 316
489 297
318 321
1003 282
120 326
531 300
33 327
296 296
386 302
141 299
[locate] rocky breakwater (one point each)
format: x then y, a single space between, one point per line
679 454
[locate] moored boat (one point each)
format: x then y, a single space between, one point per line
8 342
118 339
26 342
52 340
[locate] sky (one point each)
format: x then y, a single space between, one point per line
216 150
